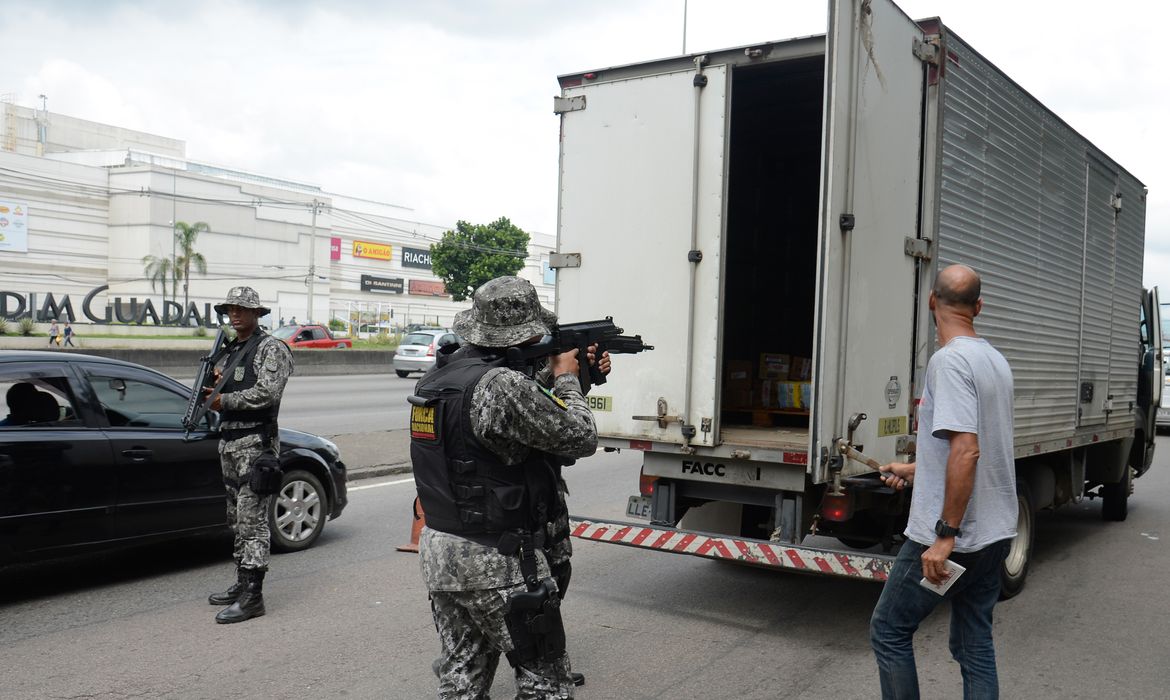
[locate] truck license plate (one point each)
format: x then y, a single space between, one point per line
639 507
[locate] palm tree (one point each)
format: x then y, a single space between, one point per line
187 257
159 270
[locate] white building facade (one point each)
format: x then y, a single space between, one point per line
82 204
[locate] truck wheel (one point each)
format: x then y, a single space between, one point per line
1015 566
298 512
401 373
1115 498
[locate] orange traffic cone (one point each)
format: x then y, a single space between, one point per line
419 520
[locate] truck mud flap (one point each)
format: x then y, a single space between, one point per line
777 555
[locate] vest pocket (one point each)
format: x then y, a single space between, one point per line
505 506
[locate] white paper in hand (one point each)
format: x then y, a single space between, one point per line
954 570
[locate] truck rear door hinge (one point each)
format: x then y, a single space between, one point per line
926 49
557 261
568 104
917 248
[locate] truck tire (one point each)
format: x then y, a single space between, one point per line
1115 498
1014 571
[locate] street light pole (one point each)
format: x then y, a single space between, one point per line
312 259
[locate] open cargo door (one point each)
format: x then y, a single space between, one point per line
1152 336
640 235
871 169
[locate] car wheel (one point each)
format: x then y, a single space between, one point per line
1014 571
1115 498
401 373
341 346
298 512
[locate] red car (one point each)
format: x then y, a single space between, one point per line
310 336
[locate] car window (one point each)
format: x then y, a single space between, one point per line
318 334
284 332
137 403
418 339
36 397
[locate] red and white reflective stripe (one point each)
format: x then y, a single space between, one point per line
759 552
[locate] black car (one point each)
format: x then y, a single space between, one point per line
93 454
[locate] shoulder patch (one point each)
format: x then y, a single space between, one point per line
556 399
271 359
424 423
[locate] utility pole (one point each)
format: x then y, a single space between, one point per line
312 259
684 27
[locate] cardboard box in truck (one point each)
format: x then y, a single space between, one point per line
904 150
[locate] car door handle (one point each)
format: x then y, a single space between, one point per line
138 454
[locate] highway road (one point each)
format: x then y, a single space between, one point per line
338 405
350 617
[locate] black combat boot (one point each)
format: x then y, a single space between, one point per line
251 601
231 594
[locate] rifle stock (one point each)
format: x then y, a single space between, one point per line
196 404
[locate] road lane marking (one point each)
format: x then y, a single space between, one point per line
351 489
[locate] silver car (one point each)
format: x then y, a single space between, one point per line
417 351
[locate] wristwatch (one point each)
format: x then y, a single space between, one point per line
943 530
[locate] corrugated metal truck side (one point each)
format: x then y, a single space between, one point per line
782 209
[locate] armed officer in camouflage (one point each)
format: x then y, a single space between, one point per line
485 438
257 367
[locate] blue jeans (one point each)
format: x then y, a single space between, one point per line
904 604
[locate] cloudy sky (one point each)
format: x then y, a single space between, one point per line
444 106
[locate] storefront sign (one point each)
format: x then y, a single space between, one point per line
428 288
47 306
377 251
13 227
335 248
416 257
384 285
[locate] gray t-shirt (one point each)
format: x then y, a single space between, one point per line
968 390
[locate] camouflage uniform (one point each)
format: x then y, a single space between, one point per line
247 513
469 583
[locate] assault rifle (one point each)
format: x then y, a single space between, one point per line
566 336
197 405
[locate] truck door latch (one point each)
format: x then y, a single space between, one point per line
662 419
917 247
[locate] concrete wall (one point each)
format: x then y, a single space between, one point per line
309 363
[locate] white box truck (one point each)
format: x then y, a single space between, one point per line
771 219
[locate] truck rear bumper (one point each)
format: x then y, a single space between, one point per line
809 560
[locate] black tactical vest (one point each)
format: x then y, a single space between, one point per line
464 488
249 348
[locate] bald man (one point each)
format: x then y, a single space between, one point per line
963 506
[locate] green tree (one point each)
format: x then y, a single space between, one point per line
159 270
472 254
187 257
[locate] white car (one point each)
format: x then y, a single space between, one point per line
417 351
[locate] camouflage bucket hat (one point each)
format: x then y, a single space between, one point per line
503 312
244 297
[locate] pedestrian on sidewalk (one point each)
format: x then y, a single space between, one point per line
54 331
69 335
